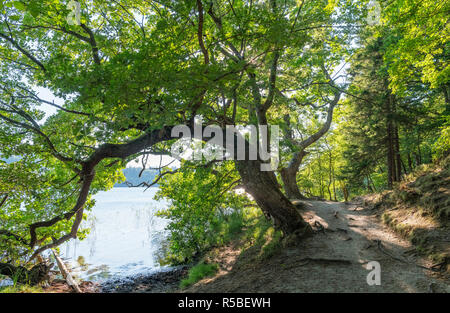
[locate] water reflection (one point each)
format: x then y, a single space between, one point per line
124 239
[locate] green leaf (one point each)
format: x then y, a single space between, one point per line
19 5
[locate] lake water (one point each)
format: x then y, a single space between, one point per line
125 236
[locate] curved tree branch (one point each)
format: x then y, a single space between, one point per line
24 52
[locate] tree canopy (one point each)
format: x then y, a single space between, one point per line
127 72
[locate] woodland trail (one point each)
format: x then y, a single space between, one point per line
334 259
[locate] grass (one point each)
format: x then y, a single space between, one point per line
255 234
272 246
199 272
235 226
260 241
21 289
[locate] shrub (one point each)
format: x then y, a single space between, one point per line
204 211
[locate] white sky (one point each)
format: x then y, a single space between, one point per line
153 160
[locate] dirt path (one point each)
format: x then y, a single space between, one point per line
333 260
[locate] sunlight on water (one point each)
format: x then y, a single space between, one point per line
125 235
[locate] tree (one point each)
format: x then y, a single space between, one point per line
421 43
201 208
394 115
128 73
382 122
289 173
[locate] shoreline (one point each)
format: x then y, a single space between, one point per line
164 281
157 282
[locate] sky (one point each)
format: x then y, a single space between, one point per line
153 160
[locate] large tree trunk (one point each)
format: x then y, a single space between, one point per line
289 176
263 187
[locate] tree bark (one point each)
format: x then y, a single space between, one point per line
321 178
445 90
263 187
403 166
334 185
373 184
390 157
410 165
398 161
344 191
330 173
5 197
289 176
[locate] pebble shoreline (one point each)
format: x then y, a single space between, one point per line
163 281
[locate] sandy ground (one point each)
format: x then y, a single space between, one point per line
334 259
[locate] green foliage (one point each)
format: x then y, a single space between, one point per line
132 67
272 246
441 147
199 272
419 42
260 241
359 139
204 210
32 194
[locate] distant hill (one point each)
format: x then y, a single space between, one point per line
132 176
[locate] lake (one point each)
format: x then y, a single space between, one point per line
125 236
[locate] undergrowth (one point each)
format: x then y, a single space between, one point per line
199 272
